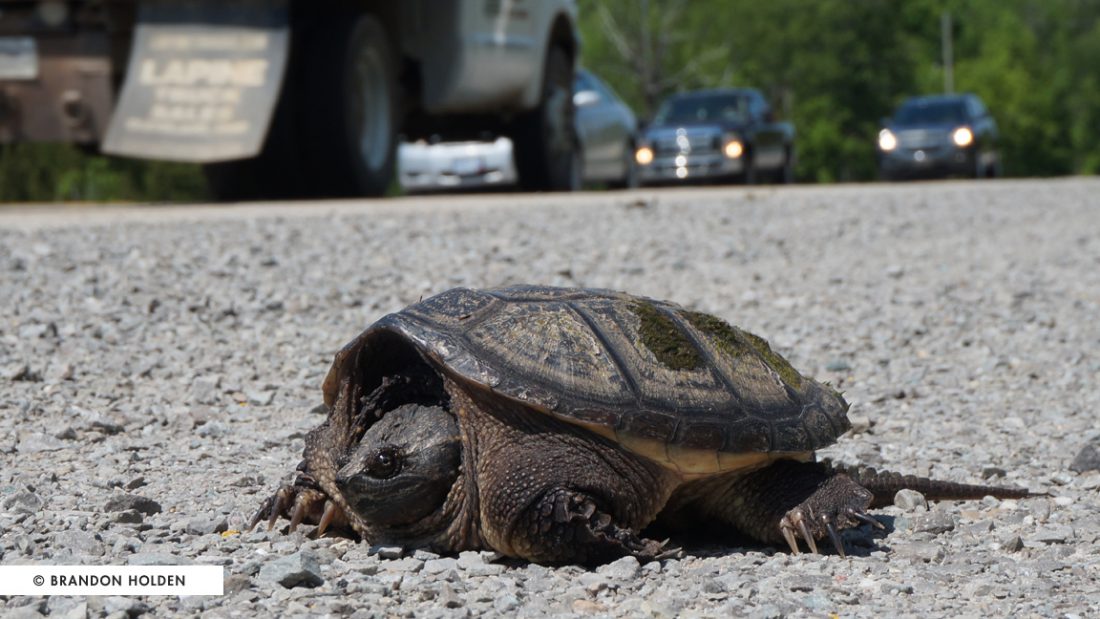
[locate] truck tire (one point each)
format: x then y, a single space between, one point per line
546 149
350 111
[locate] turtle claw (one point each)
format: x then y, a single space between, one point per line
280 503
806 535
867 518
835 537
794 522
299 513
326 518
299 503
788 534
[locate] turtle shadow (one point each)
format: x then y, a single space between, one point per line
713 541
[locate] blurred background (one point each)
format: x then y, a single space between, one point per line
835 69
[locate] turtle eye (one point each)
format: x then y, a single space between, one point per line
384 463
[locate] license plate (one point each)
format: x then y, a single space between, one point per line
18 58
465 166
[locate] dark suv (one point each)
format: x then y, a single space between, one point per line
939 135
716 135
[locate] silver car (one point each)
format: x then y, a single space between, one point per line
605 127
607 130
422 166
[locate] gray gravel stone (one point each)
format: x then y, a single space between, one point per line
1053 535
67 608
1088 459
297 570
80 543
128 516
30 611
128 606
1013 543
439 566
625 568
388 552
22 503
911 500
205 525
934 522
123 502
475 564
920 551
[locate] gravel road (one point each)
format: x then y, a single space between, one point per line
158 367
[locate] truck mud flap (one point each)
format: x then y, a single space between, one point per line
55 87
202 82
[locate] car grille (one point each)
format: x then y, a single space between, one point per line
696 143
923 138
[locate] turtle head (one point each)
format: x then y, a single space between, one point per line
399 476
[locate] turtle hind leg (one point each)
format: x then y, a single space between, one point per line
786 503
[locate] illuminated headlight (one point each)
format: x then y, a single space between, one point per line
644 155
733 149
962 136
887 141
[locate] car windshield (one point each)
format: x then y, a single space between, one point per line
701 109
931 113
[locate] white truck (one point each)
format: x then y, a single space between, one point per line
293 98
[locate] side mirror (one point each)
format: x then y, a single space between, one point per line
585 97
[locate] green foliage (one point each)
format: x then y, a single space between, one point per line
58 172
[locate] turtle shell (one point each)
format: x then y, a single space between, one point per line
682 387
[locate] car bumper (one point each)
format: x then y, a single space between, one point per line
683 168
427 181
927 162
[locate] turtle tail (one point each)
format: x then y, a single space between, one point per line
885 484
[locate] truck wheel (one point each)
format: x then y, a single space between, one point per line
351 109
546 147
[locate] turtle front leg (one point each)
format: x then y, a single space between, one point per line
302 501
566 526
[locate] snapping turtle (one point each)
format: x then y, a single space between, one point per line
555 424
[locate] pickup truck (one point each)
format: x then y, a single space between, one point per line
293 98
722 134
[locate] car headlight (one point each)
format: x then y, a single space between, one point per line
962 136
644 155
733 149
887 141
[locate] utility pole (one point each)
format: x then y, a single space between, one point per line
648 91
948 53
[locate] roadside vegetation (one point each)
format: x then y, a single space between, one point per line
834 68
